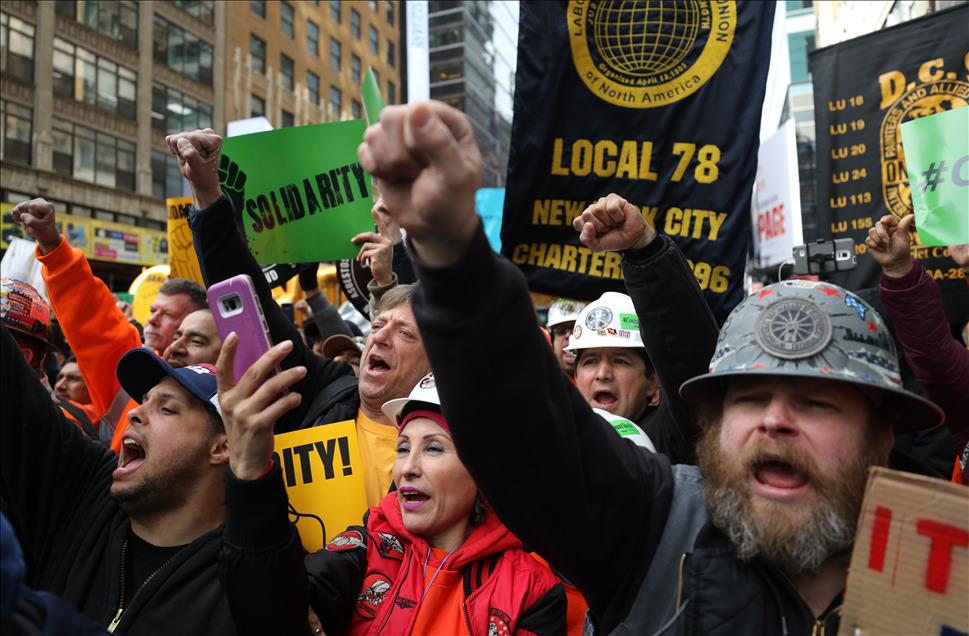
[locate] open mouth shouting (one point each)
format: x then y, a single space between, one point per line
412 499
605 400
376 365
778 480
131 456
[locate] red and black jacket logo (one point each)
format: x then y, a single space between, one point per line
348 540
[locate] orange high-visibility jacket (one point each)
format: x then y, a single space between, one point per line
98 332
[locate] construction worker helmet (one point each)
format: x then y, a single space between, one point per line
610 321
627 429
23 310
800 328
563 310
424 394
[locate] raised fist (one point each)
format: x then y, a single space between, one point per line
198 160
37 217
888 243
429 168
612 223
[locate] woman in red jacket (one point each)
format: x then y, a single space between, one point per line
432 557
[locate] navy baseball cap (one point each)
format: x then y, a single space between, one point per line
140 370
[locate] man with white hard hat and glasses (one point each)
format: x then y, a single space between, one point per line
801 398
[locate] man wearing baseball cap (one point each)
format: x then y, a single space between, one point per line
131 539
801 399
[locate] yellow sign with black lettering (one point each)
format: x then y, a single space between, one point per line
181 250
321 470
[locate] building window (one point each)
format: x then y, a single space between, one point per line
374 40
800 44
797 6
203 10
257 106
354 23
257 49
93 156
373 5
356 109
288 121
335 10
286 70
336 54
391 54
182 51
17 50
258 7
17 124
313 87
336 102
286 19
117 20
390 12
85 77
173 111
391 92
355 69
166 180
312 37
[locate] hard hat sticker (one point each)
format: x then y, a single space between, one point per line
598 318
629 321
793 329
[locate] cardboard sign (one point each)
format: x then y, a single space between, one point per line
321 470
909 569
937 160
301 191
182 258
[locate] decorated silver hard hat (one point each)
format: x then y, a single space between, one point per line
802 328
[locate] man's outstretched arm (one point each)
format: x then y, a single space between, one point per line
555 473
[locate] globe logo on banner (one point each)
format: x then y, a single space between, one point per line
648 53
911 102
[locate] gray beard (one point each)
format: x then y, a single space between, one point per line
795 549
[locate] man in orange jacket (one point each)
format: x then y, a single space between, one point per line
180 327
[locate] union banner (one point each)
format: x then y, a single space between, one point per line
864 90
657 101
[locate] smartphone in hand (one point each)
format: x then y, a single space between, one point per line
236 307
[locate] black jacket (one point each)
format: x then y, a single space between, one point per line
683 337
223 253
595 505
56 482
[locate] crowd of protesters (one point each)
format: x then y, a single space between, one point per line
636 469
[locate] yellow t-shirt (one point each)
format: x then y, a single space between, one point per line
378 446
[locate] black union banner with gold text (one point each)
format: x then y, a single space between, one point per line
659 102
864 90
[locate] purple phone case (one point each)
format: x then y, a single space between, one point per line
247 320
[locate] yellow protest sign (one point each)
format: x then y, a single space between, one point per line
321 470
181 251
144 289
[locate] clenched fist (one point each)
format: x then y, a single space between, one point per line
612 223
37 217
429 168
198 156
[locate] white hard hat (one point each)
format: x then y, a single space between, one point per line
425 391
627 429
610 321
563 310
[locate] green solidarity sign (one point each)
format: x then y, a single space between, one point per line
937 159
373 102
300 191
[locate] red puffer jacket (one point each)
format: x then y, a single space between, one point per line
505 590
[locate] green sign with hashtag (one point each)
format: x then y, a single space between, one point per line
300 191
937 159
